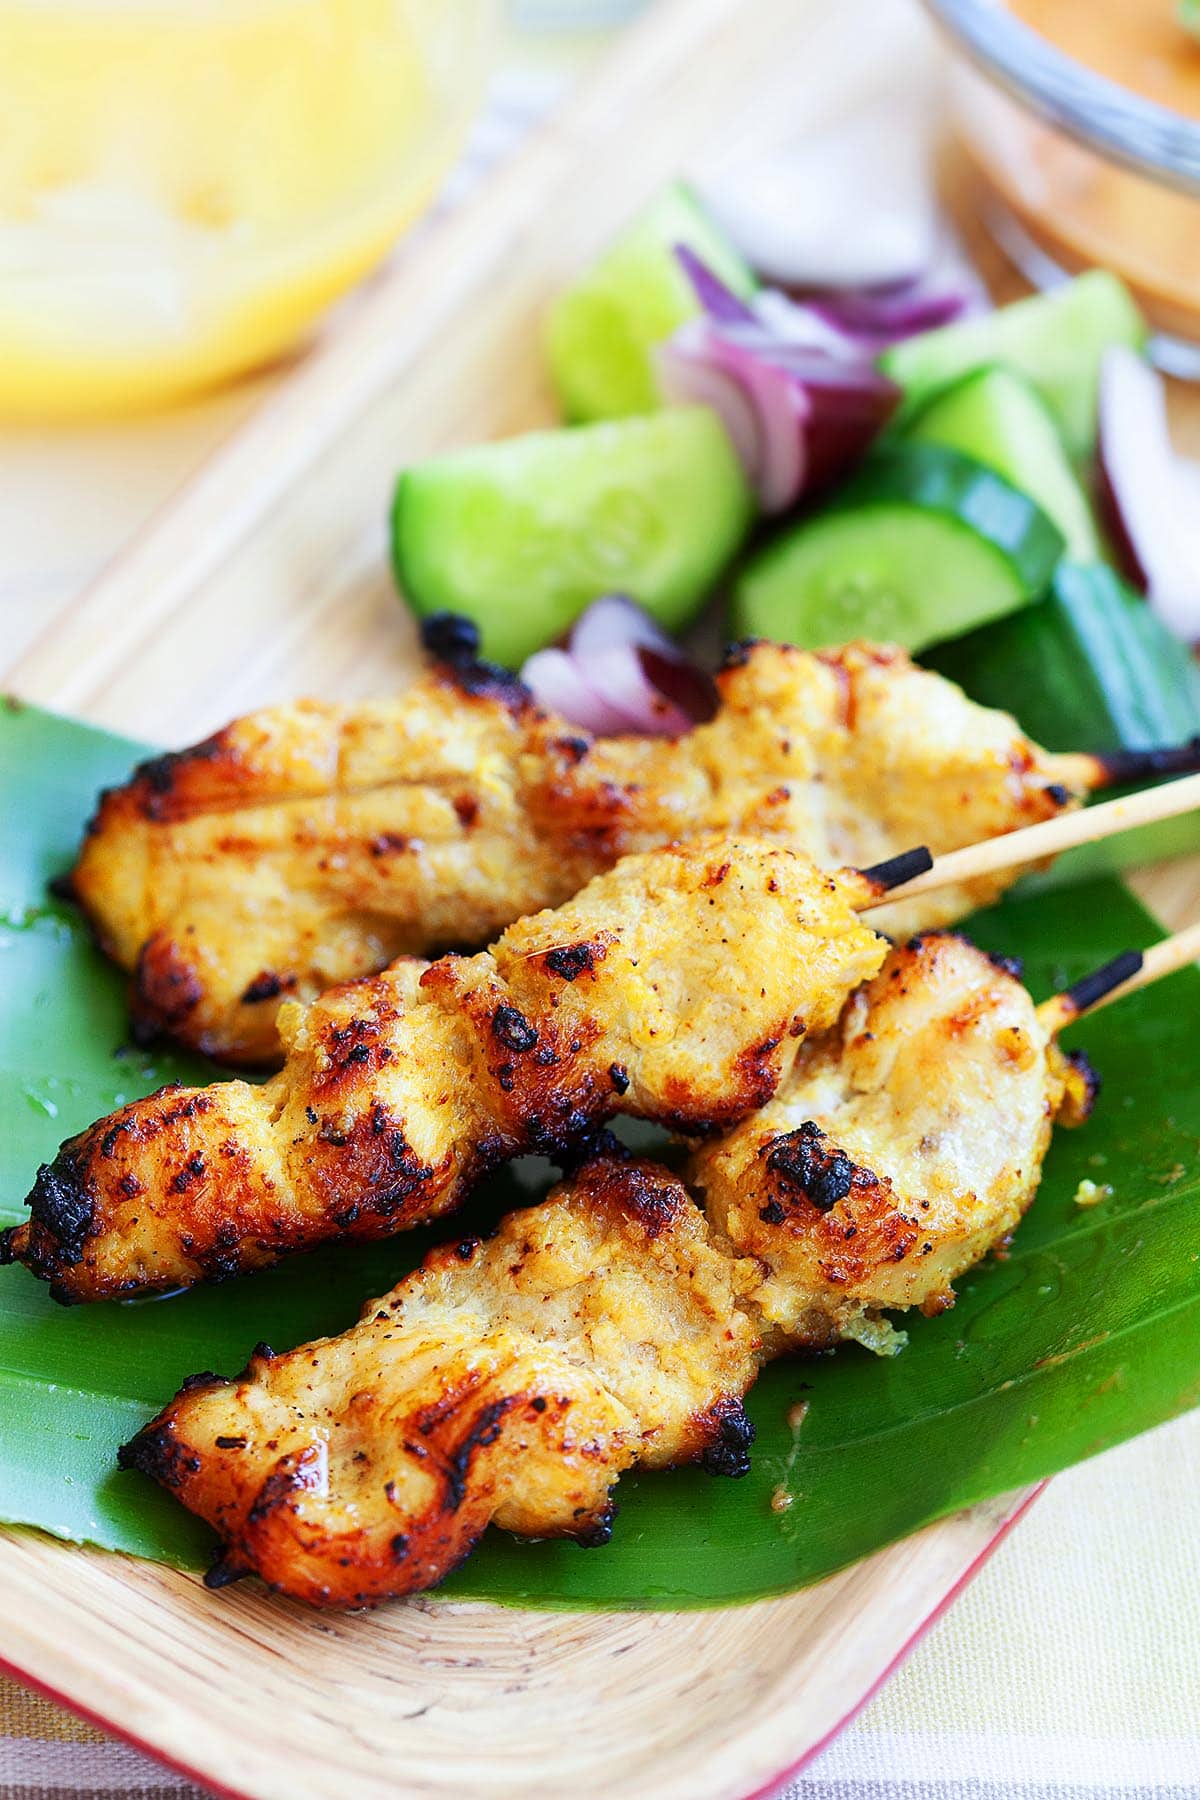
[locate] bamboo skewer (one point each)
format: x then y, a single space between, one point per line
1090 772
892 880
1160 959
1125 974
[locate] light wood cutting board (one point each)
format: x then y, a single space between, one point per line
266 578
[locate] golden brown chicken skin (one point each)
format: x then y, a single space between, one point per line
311 844
676 987
903 1146
512 1382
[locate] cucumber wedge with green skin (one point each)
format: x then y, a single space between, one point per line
1055 340
603 329
923 544
998 418
1089 668
522 535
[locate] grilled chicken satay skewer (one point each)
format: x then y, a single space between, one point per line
513 1381
312 844
675 988
903 1146
908 1142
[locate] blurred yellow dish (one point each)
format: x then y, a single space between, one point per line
184 184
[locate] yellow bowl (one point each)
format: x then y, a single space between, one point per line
186 184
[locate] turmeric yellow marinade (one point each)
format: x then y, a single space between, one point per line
311 844
676 987
513 1380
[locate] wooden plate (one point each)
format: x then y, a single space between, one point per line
266 578
257 1696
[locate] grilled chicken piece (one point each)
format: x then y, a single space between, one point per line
509 1381
902 1147
676 987
514 1381
312 844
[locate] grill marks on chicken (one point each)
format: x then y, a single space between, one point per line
311 844
512 1382
902 1147
676 987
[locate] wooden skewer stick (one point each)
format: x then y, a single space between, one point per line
1087 772
889 881
1125 974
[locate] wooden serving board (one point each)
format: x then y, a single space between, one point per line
265 578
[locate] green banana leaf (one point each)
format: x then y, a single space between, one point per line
1087 1334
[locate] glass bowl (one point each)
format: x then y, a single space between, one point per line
1077 170
186 184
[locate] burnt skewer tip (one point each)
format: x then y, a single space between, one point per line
223 1574
1090 989
1120 766
883 876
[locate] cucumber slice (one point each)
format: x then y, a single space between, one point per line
1055 340
996 417
1089 668
522 535
603 329
923 544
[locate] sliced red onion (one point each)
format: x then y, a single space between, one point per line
689 374
864 321
877 317
772 310
1149 500
800 398
718 301
613 623
618 672
764 415
557 683
689 688
626 678
849 322
793 323
814 414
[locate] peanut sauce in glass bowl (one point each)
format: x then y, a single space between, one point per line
1083 118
